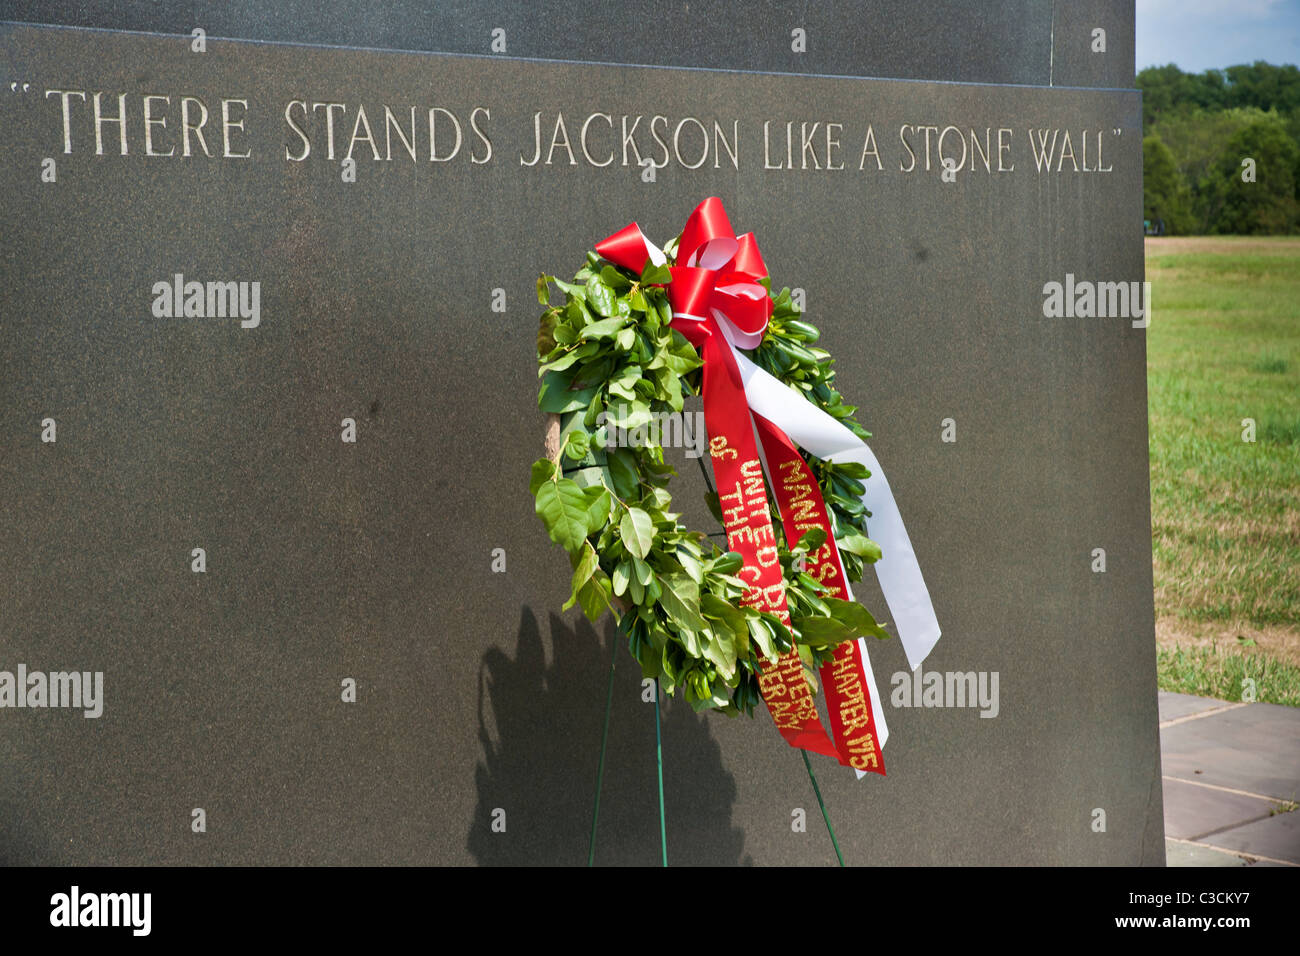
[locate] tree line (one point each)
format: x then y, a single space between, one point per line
1221 149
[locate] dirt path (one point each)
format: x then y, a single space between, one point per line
1218 245
1280 643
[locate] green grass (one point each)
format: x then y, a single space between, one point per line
1215 672
1224 346
1271 364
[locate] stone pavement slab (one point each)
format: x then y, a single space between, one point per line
1188 854
1173 706
1253 747
1228 768
1277 837
1192 811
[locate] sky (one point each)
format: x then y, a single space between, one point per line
1210 34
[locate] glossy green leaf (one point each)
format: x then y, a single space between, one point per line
556 394
691 565
563 509
621 577
856 617
585 567
721 650
543 470
583 351
729 563
595 596
760 632
615 279
599 503
637 531
811 540
859 544
578 445
655 275
602 329
681 603
819 631
601 297
623 472
852 469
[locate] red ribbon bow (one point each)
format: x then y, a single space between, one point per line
718 285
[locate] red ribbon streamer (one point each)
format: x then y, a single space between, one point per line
799 499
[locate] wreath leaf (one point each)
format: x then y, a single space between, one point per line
564 510
638 532
680 603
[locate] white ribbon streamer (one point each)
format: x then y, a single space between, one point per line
822 436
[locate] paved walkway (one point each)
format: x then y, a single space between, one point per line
1230 772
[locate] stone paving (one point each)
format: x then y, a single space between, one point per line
1231 782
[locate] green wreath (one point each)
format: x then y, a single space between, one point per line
609 348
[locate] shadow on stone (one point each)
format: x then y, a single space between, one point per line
540 729
23 840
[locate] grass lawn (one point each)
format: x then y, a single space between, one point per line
1223 357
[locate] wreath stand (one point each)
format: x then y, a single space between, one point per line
551 446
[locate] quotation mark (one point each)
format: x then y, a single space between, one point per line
13 87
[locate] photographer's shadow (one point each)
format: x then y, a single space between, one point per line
540 732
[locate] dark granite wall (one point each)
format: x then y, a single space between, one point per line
1032 42
372 560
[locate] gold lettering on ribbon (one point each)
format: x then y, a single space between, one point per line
854 714
787 693
748 521
854 711
803 504
733 515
